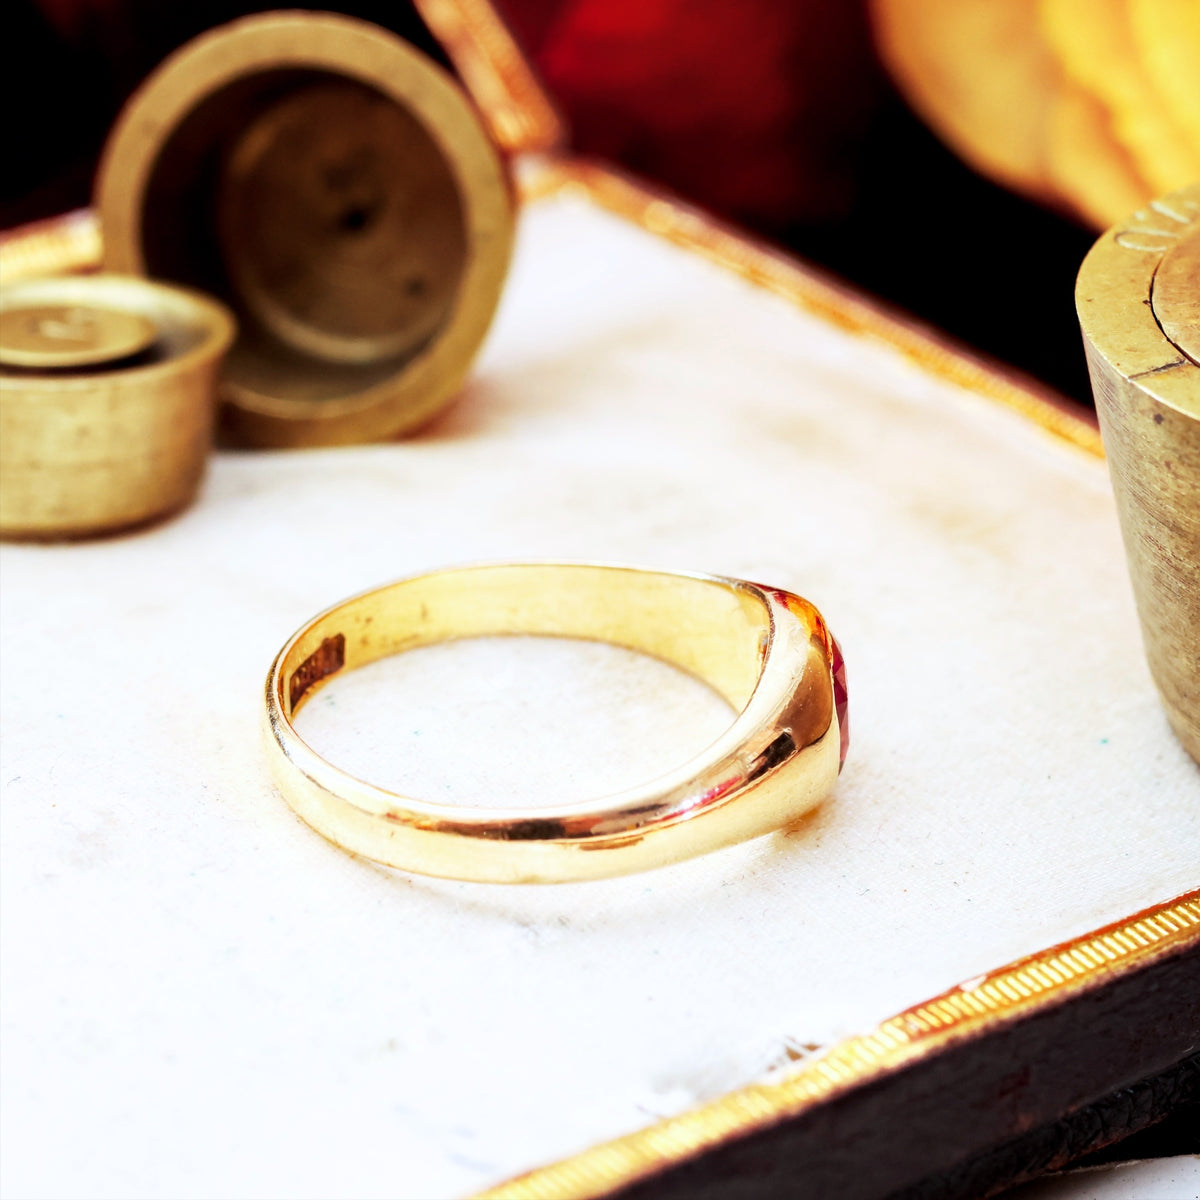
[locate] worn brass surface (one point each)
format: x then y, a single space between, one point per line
59 336
1138 298
1176 295
359 272
766 651
92 448
339 191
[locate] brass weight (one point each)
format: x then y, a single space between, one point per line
1138 299
107 402
338 190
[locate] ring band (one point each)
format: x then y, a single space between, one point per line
766 651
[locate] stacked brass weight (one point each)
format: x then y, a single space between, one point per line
338 190
107 402
1138 299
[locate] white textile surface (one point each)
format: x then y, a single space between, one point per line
202 997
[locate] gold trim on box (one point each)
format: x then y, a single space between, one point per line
813 291
1013 991
56 246
519 114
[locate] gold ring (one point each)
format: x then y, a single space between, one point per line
766 651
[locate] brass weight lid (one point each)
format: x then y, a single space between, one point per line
1175 297
1138 299
338 190
61 336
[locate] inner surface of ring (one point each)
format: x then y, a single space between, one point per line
519 721
711 629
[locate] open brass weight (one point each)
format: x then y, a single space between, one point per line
339 192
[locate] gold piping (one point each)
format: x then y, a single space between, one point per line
813 291
499 78
1013 991
56 246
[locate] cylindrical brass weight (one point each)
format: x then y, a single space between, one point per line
107 402
1138 299
339 191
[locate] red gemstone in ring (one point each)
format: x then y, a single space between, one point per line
841 699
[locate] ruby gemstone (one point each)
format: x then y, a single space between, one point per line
841 699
